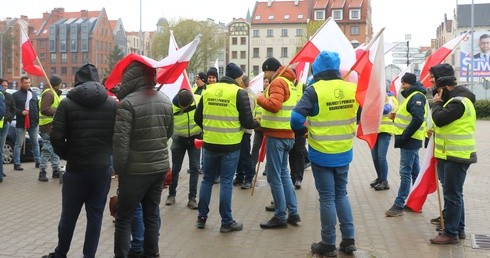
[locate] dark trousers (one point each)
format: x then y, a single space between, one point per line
181 145
297 158
83 187
134 189
257 141
245 171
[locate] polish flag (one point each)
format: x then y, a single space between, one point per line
256 85
396 84
425 183
438 57
27 120
182 81
171 67
372 87
302 70
329 37
29 57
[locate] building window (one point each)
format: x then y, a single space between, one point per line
74 70
243 68
337 14
243 41
243 55
53 70
73 45
74 58
270 53
53 58
256 69
63 70
286 17
255 33
270 33
300 16
63 58
255 53
354 30
284 32
41 57
257 17
284 52
319 15
63 45
299 32
234 54
271 17
354 14
42 44
234 41
85 58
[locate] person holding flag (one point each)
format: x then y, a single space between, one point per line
27 119
331 108
409 134
454 117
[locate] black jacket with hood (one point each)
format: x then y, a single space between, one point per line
144 123
84 123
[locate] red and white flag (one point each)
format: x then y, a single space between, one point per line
29 57
438 57
302 70
329 37
27 120
256 85
371 86
182 81
171 67
425 183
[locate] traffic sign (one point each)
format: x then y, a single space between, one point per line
417 55
399 61
401 43
400 54
404 49
404 61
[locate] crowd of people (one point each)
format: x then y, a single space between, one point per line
97 134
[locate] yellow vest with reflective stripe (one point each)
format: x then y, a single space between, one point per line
221 124
299 89
184 124
403 119
281 119
3 118
387 125
457 139
43 119
333 129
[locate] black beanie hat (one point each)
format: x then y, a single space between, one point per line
233 71
409 78
271 64
185 97
213 72
55 80
202 76
87 72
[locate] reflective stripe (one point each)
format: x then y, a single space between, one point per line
221 118
457 137
386 123
222 130
406 118
339 137
276 119
403 126
332 123
456 148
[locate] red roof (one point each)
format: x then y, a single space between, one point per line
35 23
338 4
321 4
280 12
113 24
355 3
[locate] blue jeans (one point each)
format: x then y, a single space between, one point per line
179 146
137 231
279 178
409 170
47 153
19 141
134 190
378 153
331 184
224 163
245 171
85 187
454 175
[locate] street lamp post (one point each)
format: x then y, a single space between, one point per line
407 38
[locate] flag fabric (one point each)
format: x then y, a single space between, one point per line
371 86
329 37
425 183
262 150
27 121
302 70
171 67
438 57
216 65
256 85
29 57
396 84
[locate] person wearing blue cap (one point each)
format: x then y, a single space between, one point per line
331 108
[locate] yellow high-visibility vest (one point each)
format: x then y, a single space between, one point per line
403 118
184 124
281 119
43 119
387 125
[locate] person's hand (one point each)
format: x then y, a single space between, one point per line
25 112
259 95
437 97
429 133
391 116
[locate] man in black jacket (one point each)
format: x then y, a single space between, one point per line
9 113
27 119
82 135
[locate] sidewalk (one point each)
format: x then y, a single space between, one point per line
30 211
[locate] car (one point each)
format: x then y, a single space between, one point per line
8 148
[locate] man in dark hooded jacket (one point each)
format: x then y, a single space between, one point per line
144 123
454 119
82 135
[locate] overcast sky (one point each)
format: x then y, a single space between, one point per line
419 18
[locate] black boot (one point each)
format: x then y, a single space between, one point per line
348 245
42 176
56 173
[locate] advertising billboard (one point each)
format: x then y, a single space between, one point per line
481 55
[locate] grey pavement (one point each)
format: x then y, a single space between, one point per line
30 211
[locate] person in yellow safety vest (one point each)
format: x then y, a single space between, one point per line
48 103
330 108
200 83
454 117
185 132
277 102
223 113
380 149
409 134
2 124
